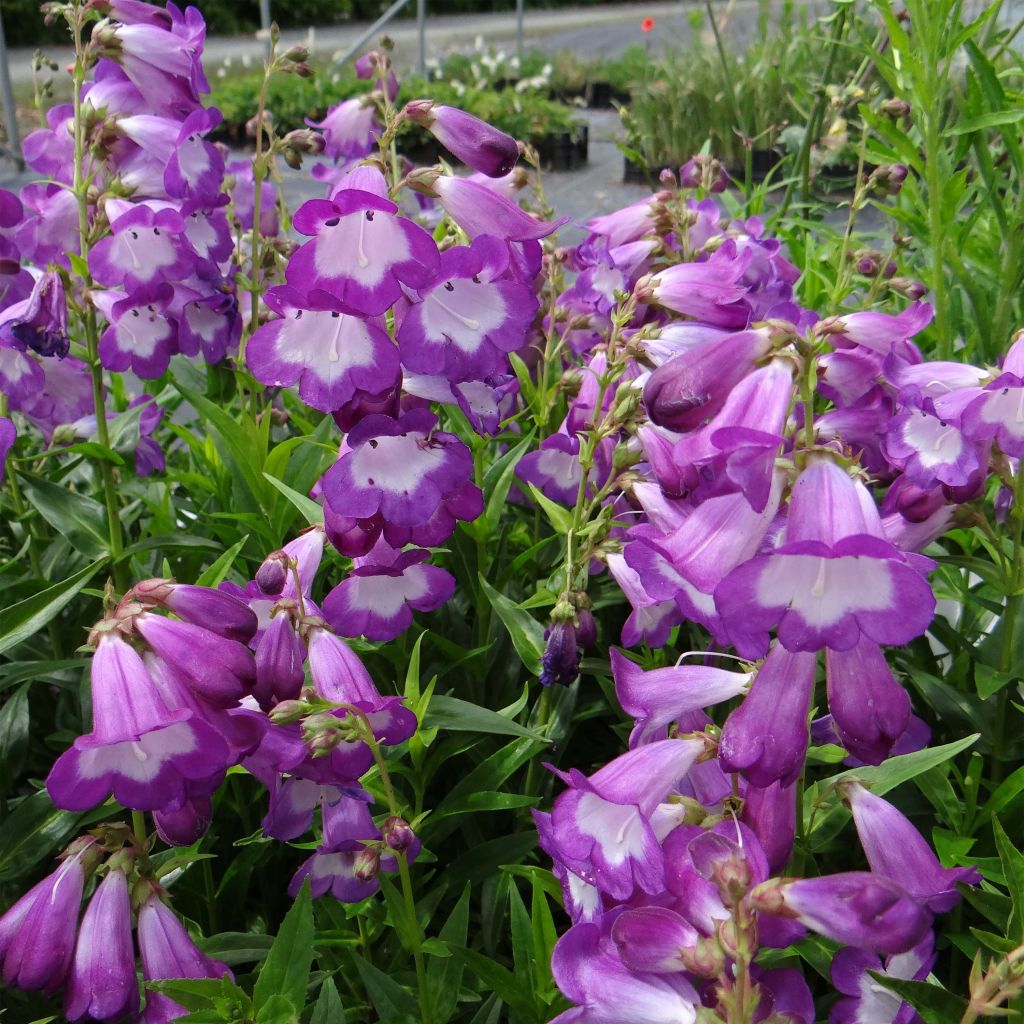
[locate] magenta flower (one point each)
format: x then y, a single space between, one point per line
144 248
168 952
929 446
362 252
139 749
143 335
210 324
378 597
479 210
349 128
474 142
101 983
334 872
896 850
867 1001
712 291
470 317
196 167
833 579
333 353
40 322
37 935
601 828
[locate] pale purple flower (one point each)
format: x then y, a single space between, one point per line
196 167
711 291
350 128
40 322
143 333
362 251
476 143
210 324
144 248
651 620
869 1002
479 210
8 435
332 353
101 983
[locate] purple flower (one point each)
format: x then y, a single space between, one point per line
142 335
651 620
560 663
664 695
382 591
688 389
867 1001
337 873
474 142
39 322
712 291
362 252
210 324
770 813
766 737
833 580
402 468
929 448
280 658
185 824
588 970
999 413
479 210
243 199
101 984
554 468
856 908
139 749
896 850
467 320
8 435
168 952
37 935
600 826
196 167
144 248
333 353
870 709
349 128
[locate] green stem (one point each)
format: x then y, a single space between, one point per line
543 720
139 829
81 190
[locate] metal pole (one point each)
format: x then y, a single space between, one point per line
421 30
265 23
520 4
10 114
383 20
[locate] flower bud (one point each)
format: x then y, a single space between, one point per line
288 711
706 959
397 833
895 108
272 575
476 143
366 864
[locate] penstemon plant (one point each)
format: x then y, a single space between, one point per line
785 515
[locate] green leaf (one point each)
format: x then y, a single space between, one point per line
451 713
215 574
485 802
392 1002
79 265
405 924
1007 791
932 1002
989 680
286 969
497 483
92 450
277 1010
237 947
526 632
444 977
311 511
20 621
523 952
80 519
993 119
495 978
14 727
201 993
1012 861
558 516
328 1008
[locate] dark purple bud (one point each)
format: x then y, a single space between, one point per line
366 403
586 629
352 537
214 610
280 658
185 824
1004 502
770 813
474 142
561 660
397 833
272 575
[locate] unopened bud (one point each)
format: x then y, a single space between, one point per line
732 876
397 833
367 863
272 575
706 959
907 286
895 108
295 54
288 711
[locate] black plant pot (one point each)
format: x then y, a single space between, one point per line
565 151
599 95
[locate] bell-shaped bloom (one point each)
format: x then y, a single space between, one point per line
349 129
856 908
687 390
664 695
21 376
333 353
168 952
40 322
465 505
712 292
651 620
243 199
896 850
64 395
210 324
468 320
37 935
601 828
650 939
185 824
476 143
401 468
139 749
362 252
770 813
101 984
879 332
554 468
870 709
292 803
219 669
766 737
196 167
833 579
560 662
337 873
868 1002
479 210
280 658
145 247
378 597
214 610
340 676
49 230
143 333
589 972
